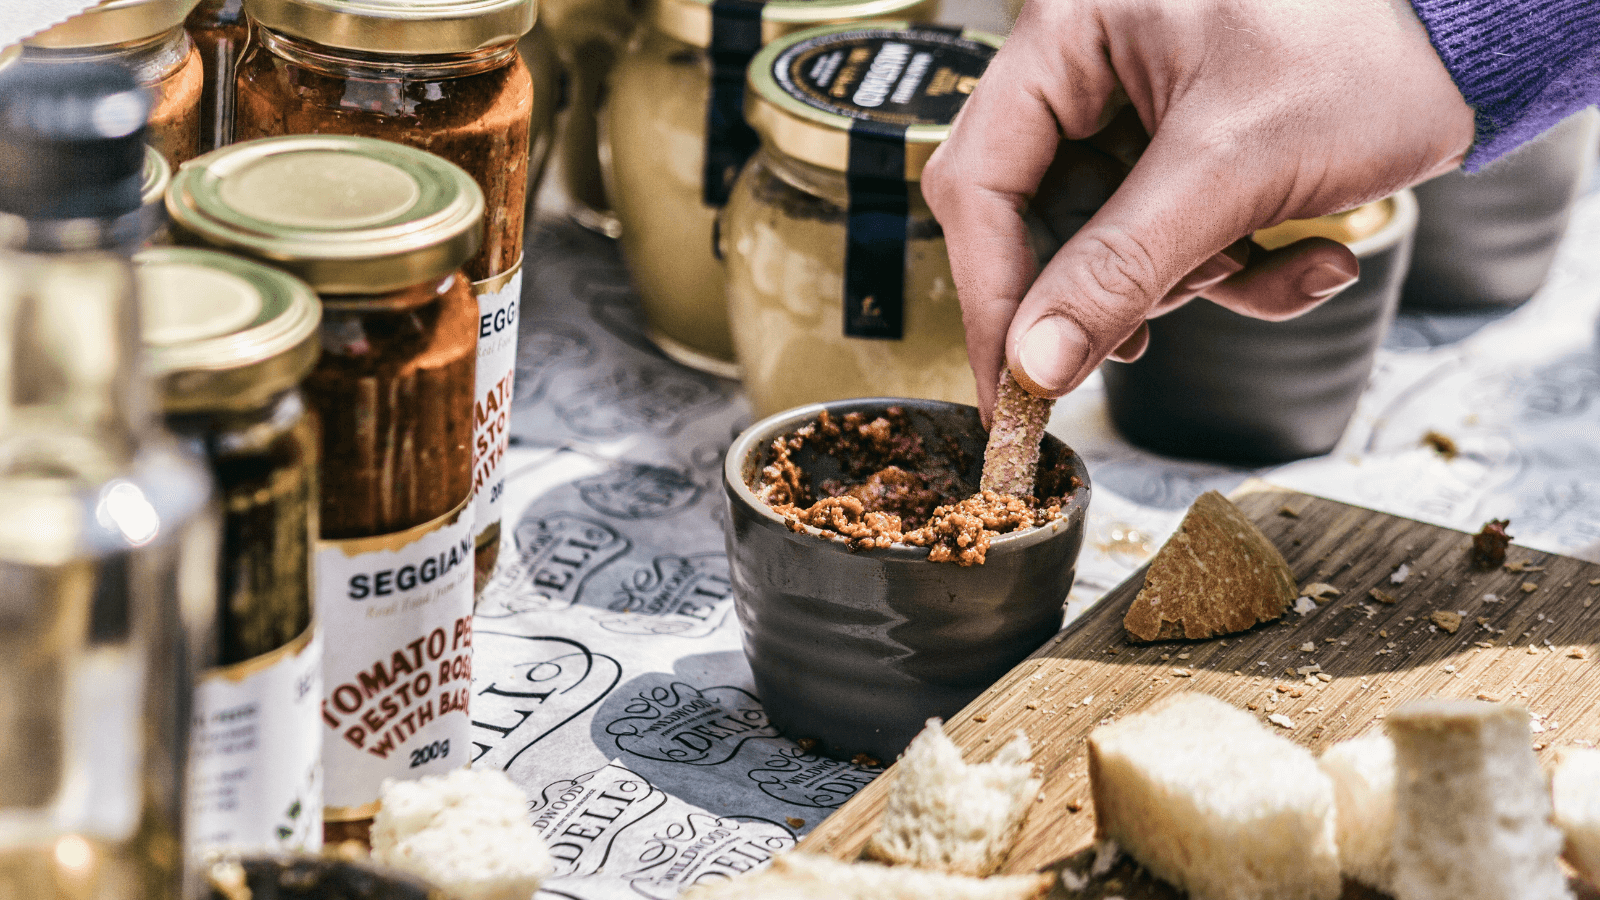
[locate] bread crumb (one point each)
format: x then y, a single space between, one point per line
1578 653
1449 621
980 718
1305 605
870 762
1307 647
1521 565
1529 587
1183 673
1073 881
1594 582
806 745
1072 805
1491 598
1399 575
1492 698
1441 444
794 822
1532 650
1382 596
1280 720
1105 856
1286 512
1320 591
1324 677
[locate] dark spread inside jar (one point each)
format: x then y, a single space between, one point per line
872 481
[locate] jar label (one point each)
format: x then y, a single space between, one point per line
397 668
911 76
499 301
256 780
730 141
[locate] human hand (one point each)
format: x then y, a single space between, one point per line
1256 111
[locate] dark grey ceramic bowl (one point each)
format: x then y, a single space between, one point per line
1486 240
855 650
306 877
1217 385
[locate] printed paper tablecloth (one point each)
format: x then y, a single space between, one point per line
609 679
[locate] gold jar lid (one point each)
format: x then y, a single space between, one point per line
114 22
420 27
690 20
806 92
157 175
349 215
1348 227
222 332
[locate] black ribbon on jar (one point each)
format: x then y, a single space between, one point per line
875 231
730 141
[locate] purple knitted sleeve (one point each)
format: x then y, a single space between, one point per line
1522 65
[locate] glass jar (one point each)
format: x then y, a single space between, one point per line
838 281
445 77
228 341
538 52
147 37
676 137
218 29
379 230
588 36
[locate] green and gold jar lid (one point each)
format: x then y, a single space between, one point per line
691 21
422 27
157 176
811 94
349 215
114 22
222 332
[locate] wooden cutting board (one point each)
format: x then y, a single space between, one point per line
1537 645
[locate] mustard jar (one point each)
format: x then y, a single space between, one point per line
838 281
675 137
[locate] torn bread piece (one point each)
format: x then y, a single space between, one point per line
952 816
1362 771
810 876
467 832
1575 789
1207 798
1011 458
1472 811
1217 574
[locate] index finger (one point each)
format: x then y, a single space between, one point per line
979 182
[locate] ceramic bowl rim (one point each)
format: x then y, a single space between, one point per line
761 431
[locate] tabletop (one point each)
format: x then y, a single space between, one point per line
609 680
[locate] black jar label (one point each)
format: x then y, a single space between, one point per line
912 76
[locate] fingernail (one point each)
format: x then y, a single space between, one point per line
1326 279
1052 353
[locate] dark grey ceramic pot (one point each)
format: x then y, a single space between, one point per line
855 650
1486 240
1220 386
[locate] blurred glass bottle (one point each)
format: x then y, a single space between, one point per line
108 539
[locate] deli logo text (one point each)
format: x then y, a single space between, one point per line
384 582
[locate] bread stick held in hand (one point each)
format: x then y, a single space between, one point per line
1011 459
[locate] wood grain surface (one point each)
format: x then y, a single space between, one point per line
1374 646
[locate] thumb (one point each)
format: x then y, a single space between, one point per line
1176 209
